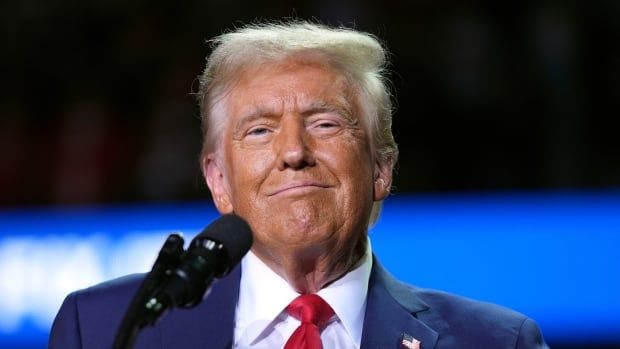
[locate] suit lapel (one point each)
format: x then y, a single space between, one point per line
390 312
211 324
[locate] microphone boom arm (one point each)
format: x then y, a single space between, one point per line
169 258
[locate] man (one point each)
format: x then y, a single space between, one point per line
297 141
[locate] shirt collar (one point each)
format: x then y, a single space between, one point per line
347 296
263 295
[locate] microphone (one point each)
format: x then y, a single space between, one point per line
211 254
181 279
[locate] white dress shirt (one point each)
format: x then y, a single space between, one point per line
263 323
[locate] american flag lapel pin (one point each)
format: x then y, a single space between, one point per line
409 342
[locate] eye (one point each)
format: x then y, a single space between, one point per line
326 124
258 131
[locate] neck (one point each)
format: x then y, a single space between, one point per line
311 269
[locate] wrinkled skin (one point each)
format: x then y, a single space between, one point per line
295 160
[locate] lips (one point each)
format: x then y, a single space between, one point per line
297 187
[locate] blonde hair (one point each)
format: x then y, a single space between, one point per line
359 55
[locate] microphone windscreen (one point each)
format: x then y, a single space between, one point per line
231 231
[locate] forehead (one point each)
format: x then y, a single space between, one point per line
296 82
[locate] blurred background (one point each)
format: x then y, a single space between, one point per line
504 109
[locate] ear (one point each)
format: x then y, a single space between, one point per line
383 179
217 183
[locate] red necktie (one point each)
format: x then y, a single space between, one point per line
313 312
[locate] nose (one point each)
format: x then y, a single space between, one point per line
293 145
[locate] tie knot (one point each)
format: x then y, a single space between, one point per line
310 308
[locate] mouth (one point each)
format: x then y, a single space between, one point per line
298 188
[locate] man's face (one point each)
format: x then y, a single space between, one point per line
295 160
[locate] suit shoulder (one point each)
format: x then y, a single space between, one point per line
458 306
106 301
451 306
89 317
115 288
466 320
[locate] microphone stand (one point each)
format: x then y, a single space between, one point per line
141 312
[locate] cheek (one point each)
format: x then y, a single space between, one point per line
351 163
361 172
248 170
352 157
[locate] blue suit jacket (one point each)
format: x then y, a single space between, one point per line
89 319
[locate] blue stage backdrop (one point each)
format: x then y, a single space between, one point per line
554 256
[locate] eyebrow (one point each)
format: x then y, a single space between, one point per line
343 108
255 113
